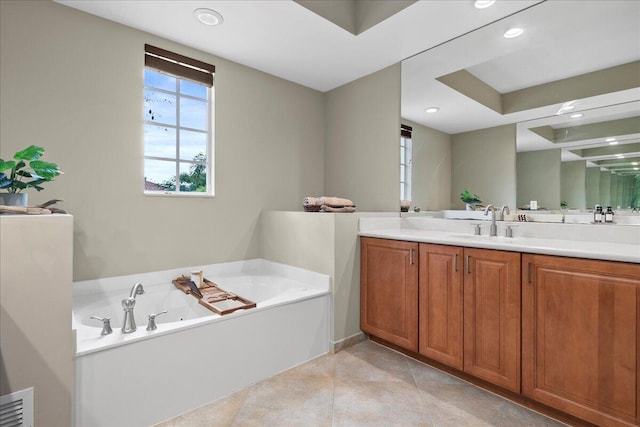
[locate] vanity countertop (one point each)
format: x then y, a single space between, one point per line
570 242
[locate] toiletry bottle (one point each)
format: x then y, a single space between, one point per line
608 216
597 214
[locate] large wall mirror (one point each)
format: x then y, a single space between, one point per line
552 115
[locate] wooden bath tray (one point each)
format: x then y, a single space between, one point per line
213 297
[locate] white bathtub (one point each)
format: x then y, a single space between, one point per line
195 356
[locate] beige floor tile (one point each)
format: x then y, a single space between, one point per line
217 414
429 377
288 401
368 361
466 405
365 385
373 403
321 367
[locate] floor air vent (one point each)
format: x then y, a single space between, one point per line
16 409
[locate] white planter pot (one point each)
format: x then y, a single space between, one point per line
13 199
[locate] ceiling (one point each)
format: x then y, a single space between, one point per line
323 44
286 39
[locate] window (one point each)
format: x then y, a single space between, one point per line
178 124
405 162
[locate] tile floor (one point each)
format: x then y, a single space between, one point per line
364 385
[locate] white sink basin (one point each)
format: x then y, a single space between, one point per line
484 238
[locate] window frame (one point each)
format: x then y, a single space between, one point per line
406 145
202 75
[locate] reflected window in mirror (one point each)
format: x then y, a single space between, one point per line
405 162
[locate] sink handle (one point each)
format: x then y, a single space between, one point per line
106 324
151 326
477 231
509 230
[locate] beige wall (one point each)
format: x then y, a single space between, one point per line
484 162
35 313
573 184
362 143
346 293
431 168
301 239
592 184
605 188
538 178
72 82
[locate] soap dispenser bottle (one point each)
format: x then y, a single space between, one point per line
597 214
608 215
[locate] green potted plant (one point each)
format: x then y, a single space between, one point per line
26 170
469 200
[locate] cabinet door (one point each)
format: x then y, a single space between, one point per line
492 316
581 326
440 290
389 291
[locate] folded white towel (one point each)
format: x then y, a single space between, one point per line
311 201
348 209
334 202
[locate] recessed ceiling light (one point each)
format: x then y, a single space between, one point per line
576 115
635 169
483 4
513 32
208 16
620 156
614 142
634 163
432 109
610 139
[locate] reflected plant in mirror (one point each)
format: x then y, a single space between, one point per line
469 200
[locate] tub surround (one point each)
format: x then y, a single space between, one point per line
36 339
610 242
145 377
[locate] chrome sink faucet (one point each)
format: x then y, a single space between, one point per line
493 230
129 322
504 210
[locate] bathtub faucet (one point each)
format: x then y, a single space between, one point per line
129 322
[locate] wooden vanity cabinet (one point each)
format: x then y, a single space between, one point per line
564 332
389 290
492 316
470 311
581 337
440 292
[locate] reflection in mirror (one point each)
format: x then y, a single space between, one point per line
581 160
507 126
